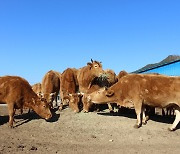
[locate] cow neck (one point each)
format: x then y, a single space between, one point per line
28 101
87 81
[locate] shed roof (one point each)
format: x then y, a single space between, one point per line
169 60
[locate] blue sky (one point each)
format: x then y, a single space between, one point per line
39 35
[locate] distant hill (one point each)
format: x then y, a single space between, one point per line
169 59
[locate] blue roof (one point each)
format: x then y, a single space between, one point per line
156 66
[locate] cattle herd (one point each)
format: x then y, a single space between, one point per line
85 88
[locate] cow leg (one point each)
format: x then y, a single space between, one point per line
144 118
110 108
61 106
163 112
176 121
55 105
86 104
138 110
11 114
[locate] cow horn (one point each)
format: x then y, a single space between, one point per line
92 60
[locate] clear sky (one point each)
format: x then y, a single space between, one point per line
39 35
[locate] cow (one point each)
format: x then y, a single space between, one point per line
138 90
69 88
37 89
50 86
107 79
17 93
85 76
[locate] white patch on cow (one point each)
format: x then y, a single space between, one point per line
146 91
126 81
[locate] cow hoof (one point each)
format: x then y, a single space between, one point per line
60 108
171 129
85 111
11 127
137 126
144 123
75 111
111 111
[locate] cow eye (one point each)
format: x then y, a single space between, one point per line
95 66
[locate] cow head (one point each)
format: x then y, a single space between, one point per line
41 107
49 97
74 100
101 96
95 67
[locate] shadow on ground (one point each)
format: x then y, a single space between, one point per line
130 113
25 117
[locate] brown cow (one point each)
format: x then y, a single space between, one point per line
69 89
37 89
108 79
51 86
17 93
138 90
85 76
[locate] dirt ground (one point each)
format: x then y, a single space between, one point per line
91 133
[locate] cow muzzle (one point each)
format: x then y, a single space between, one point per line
49 116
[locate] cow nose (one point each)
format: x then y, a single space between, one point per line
48 116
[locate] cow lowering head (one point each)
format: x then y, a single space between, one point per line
49 98
41 107
101 96
74 100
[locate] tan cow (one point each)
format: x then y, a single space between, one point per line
51 86
17 93
69 88
108 79
138 90
85 76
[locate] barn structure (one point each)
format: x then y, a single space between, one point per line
169 66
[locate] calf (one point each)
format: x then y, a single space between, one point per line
17 93
138 90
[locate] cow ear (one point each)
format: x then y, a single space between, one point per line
90 64
109 93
